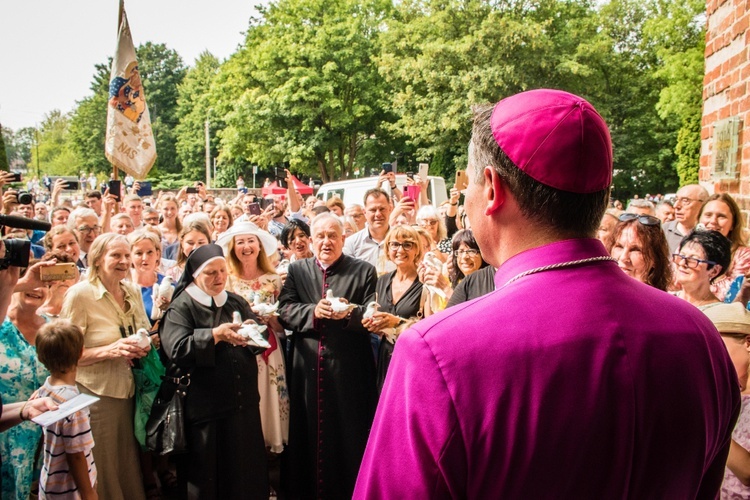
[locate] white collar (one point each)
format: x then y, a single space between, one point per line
205 299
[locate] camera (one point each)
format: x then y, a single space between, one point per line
17 250
16 254
25 198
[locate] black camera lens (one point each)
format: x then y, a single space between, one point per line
16 253
25 198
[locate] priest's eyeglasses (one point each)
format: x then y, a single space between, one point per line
691 262
646 220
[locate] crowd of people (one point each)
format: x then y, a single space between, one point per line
411 350
399 256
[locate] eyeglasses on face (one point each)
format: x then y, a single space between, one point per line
427 222
87 229
691 262
406 245
470 252
683 200
646 220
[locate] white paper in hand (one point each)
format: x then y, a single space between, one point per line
67 408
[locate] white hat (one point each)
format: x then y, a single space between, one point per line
269 242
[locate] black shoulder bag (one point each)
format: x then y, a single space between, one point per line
165 429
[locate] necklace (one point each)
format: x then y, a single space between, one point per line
558 266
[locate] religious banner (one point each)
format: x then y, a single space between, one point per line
129 144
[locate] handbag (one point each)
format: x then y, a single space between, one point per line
165 428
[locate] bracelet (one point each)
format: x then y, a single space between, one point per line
393 186
453 204
20 413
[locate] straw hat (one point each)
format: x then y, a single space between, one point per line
269 242
730 318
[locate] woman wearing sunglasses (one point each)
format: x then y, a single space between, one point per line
398 294
702 257
641 249
721 213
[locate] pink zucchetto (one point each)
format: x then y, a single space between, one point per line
556 138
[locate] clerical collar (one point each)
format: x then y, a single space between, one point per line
325 267
203 298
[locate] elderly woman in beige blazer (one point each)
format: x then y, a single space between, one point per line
108 310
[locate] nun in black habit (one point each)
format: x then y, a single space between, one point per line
226 453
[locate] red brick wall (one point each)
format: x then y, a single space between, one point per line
725 90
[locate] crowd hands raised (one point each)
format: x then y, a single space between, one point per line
407 256
313 272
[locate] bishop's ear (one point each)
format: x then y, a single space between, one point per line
494 193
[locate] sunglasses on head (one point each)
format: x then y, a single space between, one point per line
646 220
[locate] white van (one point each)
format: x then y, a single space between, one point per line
352 191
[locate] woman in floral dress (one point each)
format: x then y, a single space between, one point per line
21 374
251 275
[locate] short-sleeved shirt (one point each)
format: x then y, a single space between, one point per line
67 436
361 246
90 306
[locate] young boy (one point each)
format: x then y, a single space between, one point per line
69 471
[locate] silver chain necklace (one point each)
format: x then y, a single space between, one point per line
558 266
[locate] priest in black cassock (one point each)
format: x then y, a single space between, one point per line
331 368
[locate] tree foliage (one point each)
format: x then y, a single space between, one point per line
4 164
88 124
193 109
309 90
162 71
18 146
339 86
53 154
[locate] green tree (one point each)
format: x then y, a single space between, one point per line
54 155
193 109
623 87
305 87
441 57
88 124
162 70
18 146
677 37
3 153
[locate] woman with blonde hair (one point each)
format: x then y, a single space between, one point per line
109 309
428 218
253 277
221 220
399 294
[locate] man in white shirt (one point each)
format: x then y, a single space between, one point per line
367 244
